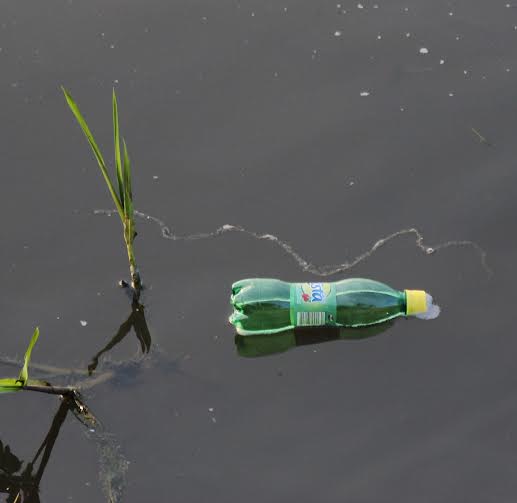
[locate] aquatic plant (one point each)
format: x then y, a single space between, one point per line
124 198
23 383
17 384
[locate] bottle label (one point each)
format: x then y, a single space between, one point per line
313 304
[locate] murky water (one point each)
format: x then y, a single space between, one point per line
278 139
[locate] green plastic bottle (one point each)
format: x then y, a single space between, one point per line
269 306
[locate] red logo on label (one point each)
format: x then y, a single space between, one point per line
306 297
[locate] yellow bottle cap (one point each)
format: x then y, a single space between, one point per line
416 302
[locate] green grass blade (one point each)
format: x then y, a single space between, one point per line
96 151
128 195
24 373
127 168
10 385
116 139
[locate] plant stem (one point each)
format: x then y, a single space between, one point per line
52 390
136 282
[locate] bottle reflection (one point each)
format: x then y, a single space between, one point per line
137 321
252 346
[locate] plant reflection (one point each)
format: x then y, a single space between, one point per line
21 484
252 346
137 321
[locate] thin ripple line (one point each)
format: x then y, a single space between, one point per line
305 265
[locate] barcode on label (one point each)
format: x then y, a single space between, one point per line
310 319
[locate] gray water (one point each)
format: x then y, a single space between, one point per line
326 127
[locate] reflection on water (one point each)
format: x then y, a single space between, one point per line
136 320
252 346
19 482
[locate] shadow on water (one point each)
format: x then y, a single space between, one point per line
253 346
135 320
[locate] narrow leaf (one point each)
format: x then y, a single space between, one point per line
10 385
96 151
128 195
127 168
116 138
24 373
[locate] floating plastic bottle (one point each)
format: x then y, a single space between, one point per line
269 306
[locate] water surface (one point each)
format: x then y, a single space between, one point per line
324 125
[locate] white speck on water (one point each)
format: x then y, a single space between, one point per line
423 50
451 13
275 74
402 109
360 6
338 33
92 430
252 14
406 9
214 420
115 81
379 37
451 94
507 5
375 6
102 34
442 61
155 177
457 37
210 409
507 69
204 19
364 93
285 9
58 317
112 46
465 72
408 35
351 183
338 6
83 323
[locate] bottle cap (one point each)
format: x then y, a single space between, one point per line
416 302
